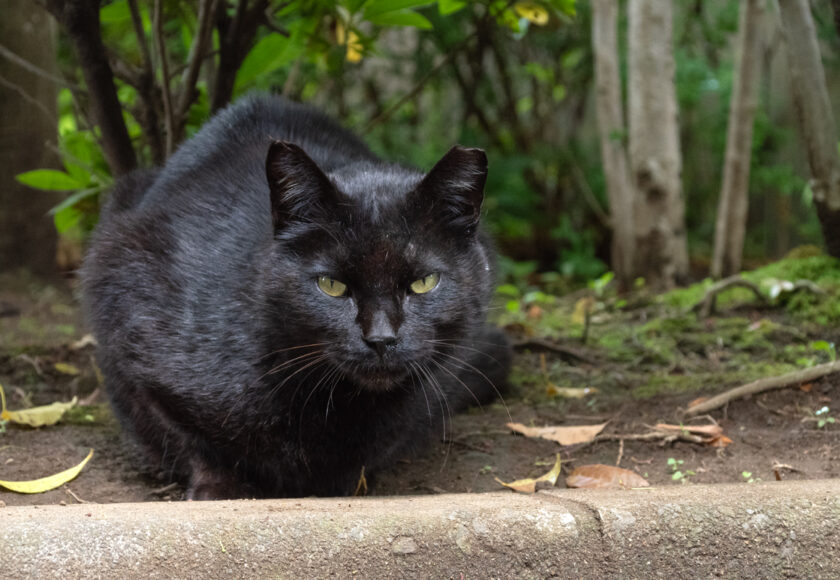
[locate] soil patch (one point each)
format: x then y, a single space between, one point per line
774 435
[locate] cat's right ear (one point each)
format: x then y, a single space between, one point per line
299 189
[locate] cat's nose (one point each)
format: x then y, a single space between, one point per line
381 335
381 344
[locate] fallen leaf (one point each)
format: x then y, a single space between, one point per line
67 368
35 416
46 483
697 401
583 308
569 392
534 312
806 388
598 476
530 485
562 435
85 341
721 441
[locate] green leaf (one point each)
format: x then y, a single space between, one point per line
269 54
49 179
67 219
402 18
446 7
376 7
115 12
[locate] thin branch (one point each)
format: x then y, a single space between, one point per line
34 69
27 97
766 384
137 22
206 10
164 65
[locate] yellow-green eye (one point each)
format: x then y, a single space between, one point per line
425 284
331 287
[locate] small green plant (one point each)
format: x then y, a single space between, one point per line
748 477
823 417
677 474
3 426
486 469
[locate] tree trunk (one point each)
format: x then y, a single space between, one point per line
80 20
28 121
661 253
611 131
814 116
734 195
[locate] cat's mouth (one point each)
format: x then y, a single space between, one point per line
380 377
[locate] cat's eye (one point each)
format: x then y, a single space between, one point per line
425 284
331 287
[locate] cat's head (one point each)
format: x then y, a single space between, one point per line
381 268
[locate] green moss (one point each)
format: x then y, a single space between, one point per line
88 415
818 269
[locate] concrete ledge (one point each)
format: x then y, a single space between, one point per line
761 530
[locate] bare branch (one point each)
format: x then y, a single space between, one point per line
137 22
206 10
766 384
27 97
34 69
164 65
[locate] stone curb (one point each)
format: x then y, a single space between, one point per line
767 530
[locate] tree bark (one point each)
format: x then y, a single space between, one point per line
236 37
611 130
80 20
28 120
731 223
661 251
814 116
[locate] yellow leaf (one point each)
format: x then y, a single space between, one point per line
340 32
46 483
530 485
66 368
562 435
532 12
36 416
354 47
583 308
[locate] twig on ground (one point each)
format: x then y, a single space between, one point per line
763 385
565 351
620 452
165 489
706 307
74 496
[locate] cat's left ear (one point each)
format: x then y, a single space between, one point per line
455 187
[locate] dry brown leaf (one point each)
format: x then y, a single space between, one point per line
562 435
721 441
534 312
598 476
697 401
806 388
530 485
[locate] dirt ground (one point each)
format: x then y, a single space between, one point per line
774 435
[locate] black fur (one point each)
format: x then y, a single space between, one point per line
221 355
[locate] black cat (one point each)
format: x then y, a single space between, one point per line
277 308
